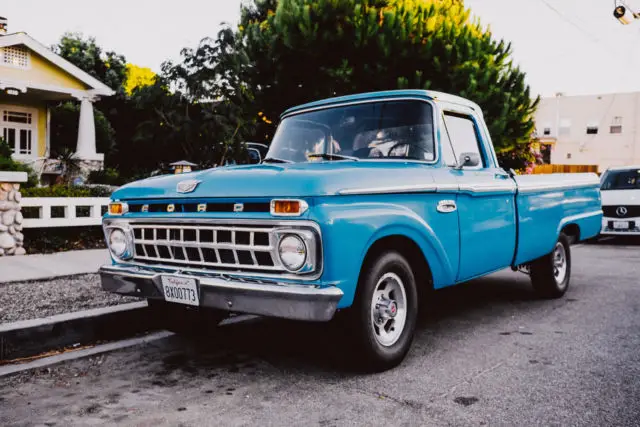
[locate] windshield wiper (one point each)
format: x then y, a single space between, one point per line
328 156
275 160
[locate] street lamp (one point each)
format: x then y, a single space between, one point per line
624 13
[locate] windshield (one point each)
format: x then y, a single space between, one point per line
621 180
375 130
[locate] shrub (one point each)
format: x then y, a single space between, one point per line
7 164
67 191
108 176
51 240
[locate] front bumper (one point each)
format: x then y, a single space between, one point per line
267 298
608 228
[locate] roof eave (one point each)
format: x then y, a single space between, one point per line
97 87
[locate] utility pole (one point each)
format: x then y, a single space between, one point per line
624 13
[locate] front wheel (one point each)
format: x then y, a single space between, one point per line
383 318
550 275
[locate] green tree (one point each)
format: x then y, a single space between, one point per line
64 129
302 50
108 67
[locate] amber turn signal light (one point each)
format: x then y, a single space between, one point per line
288 207
118 208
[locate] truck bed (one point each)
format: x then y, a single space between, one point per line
561 200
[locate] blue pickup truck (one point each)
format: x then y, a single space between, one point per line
363 204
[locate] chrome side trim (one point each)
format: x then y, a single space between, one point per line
509 188
578 217
534 188
433 188
413 188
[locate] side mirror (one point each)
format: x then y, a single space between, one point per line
254 155
468 160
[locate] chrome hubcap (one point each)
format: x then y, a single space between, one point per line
559 263
389 309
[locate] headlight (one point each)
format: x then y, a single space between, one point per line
292 252
118 243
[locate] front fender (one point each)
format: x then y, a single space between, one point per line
351 225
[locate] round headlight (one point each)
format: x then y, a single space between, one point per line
293 252
118 242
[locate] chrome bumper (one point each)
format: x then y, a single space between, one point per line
267 298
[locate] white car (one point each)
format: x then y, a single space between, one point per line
620 189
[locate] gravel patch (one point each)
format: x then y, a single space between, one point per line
36 299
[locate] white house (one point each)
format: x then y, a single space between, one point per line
597 130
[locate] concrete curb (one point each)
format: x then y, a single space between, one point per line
72 355
31 337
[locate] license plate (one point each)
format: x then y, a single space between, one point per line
621 225
182 290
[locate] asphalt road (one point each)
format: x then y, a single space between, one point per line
487 353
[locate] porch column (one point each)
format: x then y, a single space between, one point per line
86 148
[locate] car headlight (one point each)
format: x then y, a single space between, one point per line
292 252
118 243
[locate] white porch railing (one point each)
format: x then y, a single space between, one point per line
66 211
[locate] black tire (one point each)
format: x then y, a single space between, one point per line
183 319
371 354
546 274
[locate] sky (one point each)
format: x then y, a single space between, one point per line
568 46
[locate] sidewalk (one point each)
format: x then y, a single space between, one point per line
38 267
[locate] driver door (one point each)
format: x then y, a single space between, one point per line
485 200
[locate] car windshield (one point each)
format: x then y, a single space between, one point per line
621 180
373 130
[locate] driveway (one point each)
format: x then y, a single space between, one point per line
486 353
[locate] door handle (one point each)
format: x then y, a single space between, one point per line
446 206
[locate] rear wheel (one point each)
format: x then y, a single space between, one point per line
550 274
383 317
183 319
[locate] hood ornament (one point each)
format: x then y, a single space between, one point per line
187 186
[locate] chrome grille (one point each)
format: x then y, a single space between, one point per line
215 246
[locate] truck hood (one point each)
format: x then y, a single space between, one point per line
281 180
620 197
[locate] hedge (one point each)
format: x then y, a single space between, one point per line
67 191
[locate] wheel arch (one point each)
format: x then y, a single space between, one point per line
414 254
572 231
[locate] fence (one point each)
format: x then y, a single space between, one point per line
63 211
543 169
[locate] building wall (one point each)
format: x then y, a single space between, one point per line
42 72
566 119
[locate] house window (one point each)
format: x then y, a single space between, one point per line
568 155
17 127
592 129
15 56
565 127
546 131
616 125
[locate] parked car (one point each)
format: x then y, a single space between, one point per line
363 204
621 201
